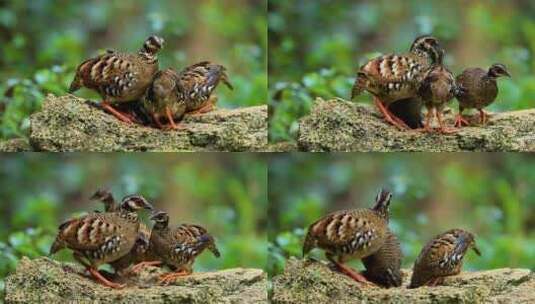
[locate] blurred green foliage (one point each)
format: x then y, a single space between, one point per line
316 47
44 41
225 193
491 195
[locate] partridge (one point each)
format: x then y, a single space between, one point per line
178 247
350 234
395 77
173 94
119 77
479 90
140 253
196 84
436 90
442 256
384 266
100 238
162 98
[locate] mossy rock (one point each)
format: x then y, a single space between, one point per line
305 281
69 123
44 280
339 125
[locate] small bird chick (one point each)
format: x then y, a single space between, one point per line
196 84
441 257
436 90
101 238
350 234
178 247
162 99
480 89
119 77
384 266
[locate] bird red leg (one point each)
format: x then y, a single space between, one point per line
140 266
103 280
204 109
427 123
389 116
483 116
174 126
157 121
122 117
351 273
443 129
167 278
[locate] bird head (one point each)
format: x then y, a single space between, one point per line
153 44
134 203
498 70
428 46
382 203
160 219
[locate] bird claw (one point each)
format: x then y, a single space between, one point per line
166 279
140 266
460 121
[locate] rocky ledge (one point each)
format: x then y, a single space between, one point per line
314 282
44 280
339 125
69 123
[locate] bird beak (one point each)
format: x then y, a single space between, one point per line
507 74
148 206
476 250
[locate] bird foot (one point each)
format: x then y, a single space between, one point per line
460 121
140 266
102 280
168 278
204 109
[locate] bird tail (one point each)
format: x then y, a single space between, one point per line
207 241
359 85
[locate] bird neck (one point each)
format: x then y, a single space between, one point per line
128 215
148 56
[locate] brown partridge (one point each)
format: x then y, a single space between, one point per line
384 266
350 234
140 253
442 256
119 77
178 247
100 238
479 89
395 77
196 84
162 99
173 94
436 90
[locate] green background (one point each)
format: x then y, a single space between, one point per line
491 195
316 47
43 41
225 193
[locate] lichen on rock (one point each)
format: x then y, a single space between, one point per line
44 280
339 125
69 123
305 281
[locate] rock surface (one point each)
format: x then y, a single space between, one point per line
69 123
46 281
314 282
339 125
